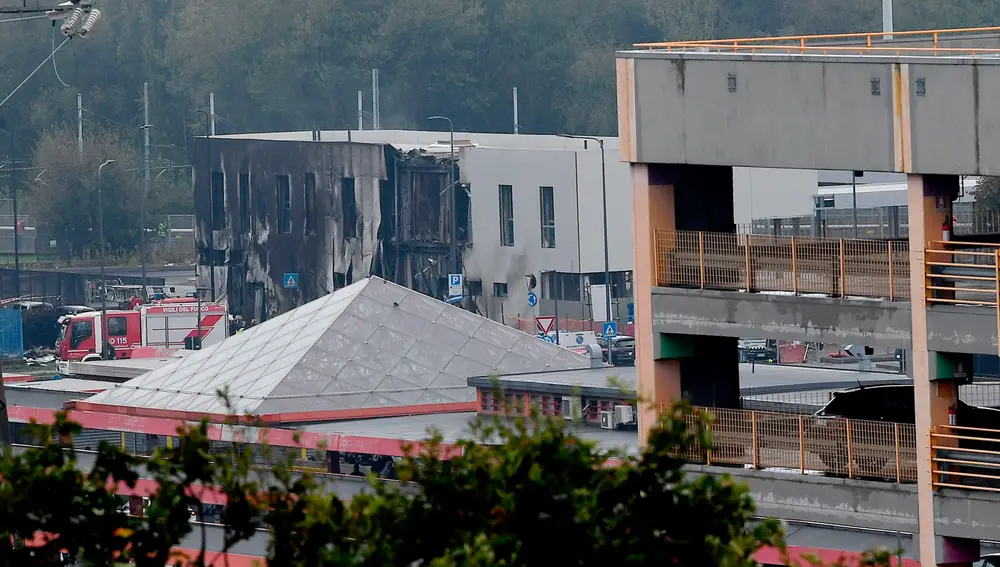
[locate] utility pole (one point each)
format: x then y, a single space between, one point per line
13 190
211 112
887 19
361 111
145 188
100 235
79 124
376 107
517 125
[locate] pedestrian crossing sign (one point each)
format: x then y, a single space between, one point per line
291 280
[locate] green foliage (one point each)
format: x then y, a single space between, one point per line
524 492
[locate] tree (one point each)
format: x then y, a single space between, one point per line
536 494
65 191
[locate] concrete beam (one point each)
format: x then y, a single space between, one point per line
813 111
864 504
963 329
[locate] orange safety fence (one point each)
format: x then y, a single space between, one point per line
790 264
965 457
807 444
867 43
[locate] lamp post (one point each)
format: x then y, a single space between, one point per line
604 202
211 229
451 185
100 236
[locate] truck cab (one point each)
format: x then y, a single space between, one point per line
82 337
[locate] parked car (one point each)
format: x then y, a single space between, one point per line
621 351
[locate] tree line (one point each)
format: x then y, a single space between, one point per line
524 492
298 64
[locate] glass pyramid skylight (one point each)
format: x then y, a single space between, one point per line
373 344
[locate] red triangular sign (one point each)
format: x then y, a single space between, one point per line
545 324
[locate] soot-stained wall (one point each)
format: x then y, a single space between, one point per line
264 209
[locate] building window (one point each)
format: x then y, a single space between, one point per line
218 200
474 288
284 191
500 289
245 214
547 206
117 327
349 207
506 215
310 204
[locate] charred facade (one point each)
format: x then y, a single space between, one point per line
330 213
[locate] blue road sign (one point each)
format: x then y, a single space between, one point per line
579 339
548 338
610 329
291 280
532 299
631 312
455 285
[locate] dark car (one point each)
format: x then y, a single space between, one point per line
622 350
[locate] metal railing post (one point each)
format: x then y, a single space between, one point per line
996 282
843 270
899 464
749 279
756 444
850 451
701 256
892 287
795 269
802 444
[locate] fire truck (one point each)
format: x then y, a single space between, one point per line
83 337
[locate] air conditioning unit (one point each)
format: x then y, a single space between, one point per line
624 415
571 407
608 420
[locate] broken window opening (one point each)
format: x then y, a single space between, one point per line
506 215
284 193
244 183
310 203
349 207
548 216
218 196
499 289
463 206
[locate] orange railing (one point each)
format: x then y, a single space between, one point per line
807 444
843 44
789 264
965 457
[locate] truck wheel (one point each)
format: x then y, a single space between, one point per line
90 357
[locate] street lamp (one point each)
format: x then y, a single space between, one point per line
211 229
451 185
604 202
100 236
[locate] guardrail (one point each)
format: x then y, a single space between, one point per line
965 457
962 273
808 444
838 44
790 264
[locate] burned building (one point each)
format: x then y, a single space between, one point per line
382 202
280 223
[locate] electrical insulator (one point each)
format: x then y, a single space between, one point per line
74 18
92 18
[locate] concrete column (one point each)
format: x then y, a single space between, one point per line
932 397
658 381
678 197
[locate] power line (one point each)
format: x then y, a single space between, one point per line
28 78
24 19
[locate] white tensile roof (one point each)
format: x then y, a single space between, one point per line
373 344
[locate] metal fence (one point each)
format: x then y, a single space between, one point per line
965 457
11 334
806 444
875 222
789 264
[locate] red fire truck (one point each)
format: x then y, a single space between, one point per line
173 325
